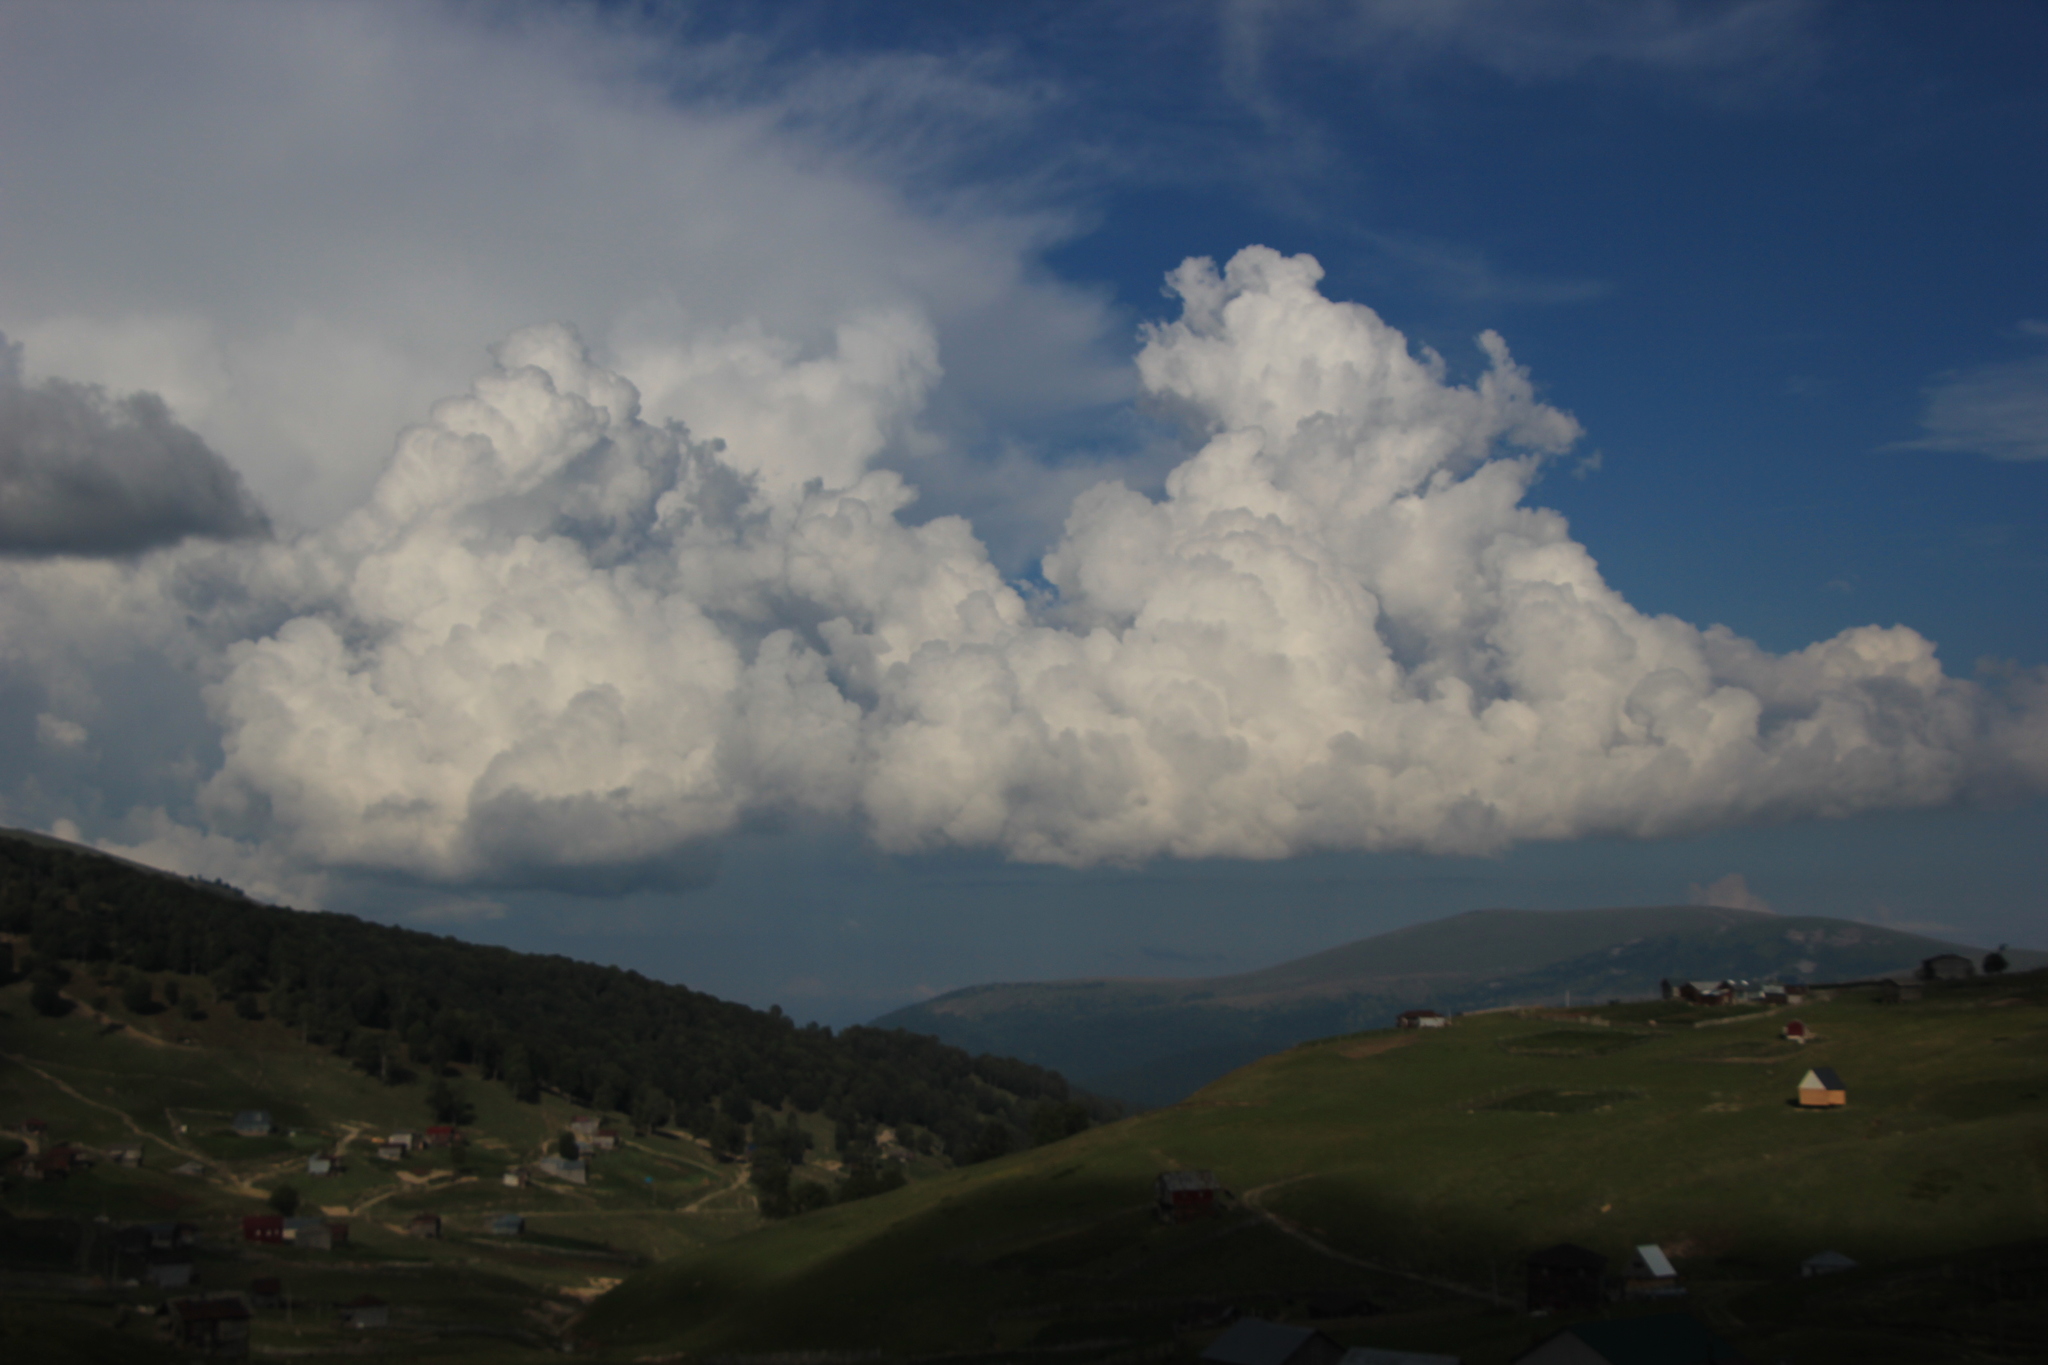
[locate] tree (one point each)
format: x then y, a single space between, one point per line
285 1200
137 997
1994 962
993 1141
246 1006
46 996
448 1105
1054 1120
770 1176
565 1147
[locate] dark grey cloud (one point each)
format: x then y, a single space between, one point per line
84 473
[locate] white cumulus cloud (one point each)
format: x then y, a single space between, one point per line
560 636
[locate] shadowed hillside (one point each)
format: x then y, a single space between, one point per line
1388 1186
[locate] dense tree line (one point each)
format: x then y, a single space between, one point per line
611 1039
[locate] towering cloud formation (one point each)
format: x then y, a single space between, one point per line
560 636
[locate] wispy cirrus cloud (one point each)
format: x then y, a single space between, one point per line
1999 410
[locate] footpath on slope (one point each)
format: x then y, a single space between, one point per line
1300 1234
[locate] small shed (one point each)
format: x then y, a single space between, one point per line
1255 1341
1947 967
1420 1019
424 1225
1795 1031
1821 1088
1825 1263
604 1140
125 1156
366 1310
1181 1196
404 1139
215 1325
1651 1274
170 1274
516 1178
1665 1339
192 1168
1566 1277
393 1151
508 1225
443 1135
322 1164
263 1227
253 1123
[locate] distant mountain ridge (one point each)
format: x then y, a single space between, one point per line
1156 1040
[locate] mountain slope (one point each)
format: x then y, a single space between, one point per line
1419 1169
394 999
1155 1041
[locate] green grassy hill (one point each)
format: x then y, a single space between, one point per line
1156 1041
1419 1169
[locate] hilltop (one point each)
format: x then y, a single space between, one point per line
1388 1186
145 1011
1155 1041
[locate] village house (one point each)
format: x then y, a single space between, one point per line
1666 1339
171 1236
1182 1196
443 1135
585 1127
1825 1263
216 1325
604 1140
1373 1355
1254 1341
315 1234
392 1151
424 1225
1947 967
324 1164
576 1171
365 1311
59 1163
1651 1275
1420 1019
253 1123
1566 1277
130 1155
1821 1088
404 1139
263 1227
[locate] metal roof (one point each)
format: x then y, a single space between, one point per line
1254 1341
1821 1078
1652 1258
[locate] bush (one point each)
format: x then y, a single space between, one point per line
285 1200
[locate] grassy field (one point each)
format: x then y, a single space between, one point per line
1418 1171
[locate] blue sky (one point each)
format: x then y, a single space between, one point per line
1780 261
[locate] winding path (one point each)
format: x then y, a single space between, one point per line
1298 1233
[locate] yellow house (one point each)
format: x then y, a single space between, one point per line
1820 1087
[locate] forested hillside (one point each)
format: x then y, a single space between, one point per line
393 999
